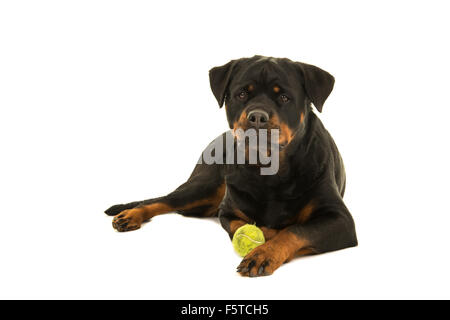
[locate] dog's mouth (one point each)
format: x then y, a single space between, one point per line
257 145
279 135
265 124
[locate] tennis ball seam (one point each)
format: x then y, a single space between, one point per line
246 238
249 238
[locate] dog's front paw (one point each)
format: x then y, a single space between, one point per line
128 220
261 261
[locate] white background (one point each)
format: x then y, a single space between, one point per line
106 102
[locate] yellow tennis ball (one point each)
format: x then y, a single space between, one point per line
247 238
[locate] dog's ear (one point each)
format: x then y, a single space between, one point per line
219 79
318 84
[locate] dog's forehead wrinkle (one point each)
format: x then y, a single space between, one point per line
263 73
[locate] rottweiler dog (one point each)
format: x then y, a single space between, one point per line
300 208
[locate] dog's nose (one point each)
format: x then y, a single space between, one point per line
258 118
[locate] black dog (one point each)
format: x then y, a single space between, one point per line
300 209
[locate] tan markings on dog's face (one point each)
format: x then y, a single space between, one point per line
241 123
286 134
302 117
250 87
276 89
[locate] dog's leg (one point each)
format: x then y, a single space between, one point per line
232 219
328 228
200 196
118 208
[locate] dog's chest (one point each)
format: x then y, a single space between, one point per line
273 207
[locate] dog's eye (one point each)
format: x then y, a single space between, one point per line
242 95
284 98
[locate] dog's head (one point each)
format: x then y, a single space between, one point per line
270 93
